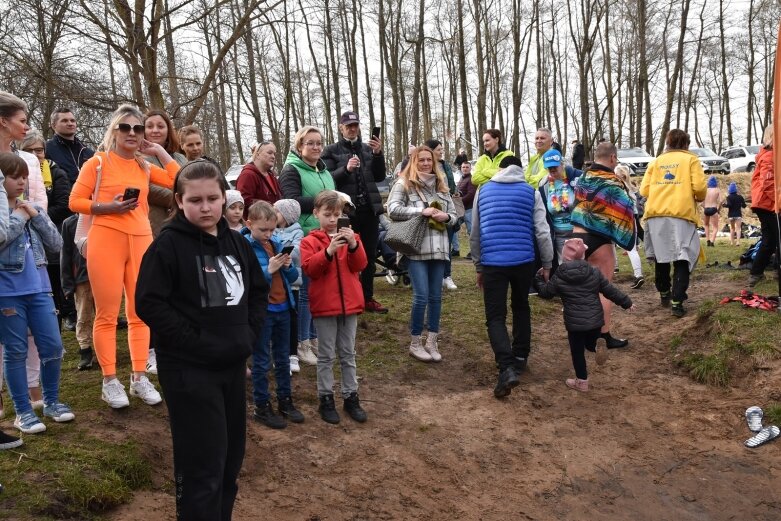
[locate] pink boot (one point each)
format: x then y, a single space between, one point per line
578 384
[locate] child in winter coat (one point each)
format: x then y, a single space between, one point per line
333 259
579 285
274 340
234 210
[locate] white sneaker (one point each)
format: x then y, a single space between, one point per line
151 362
305 353
114 394
391 278
144 389
432 347
418 351
294 367
448 283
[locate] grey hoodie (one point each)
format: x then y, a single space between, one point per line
514 174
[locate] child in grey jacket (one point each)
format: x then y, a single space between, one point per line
579 285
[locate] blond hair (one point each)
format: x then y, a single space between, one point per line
110 137
411 174
261 211
10 105
624 173
298 140
767 137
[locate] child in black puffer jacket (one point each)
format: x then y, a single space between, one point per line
579 285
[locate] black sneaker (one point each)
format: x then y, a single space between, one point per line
665 298
264 413
327 409
69 324
9 442
677 309
352 406
289 411
455 253
637 283
507 380
468 256
121 323
520 364
87 359
614 343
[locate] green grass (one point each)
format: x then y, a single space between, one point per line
773 414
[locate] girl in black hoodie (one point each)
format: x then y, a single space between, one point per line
203 295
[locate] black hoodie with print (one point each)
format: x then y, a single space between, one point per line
204 297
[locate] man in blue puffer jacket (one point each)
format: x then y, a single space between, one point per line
508 223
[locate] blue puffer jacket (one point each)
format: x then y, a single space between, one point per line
289 275
509 222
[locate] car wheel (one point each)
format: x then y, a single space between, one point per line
750 167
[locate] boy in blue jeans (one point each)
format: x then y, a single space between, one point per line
275 337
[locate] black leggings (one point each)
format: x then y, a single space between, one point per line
578 342
680 281
592 242
769 223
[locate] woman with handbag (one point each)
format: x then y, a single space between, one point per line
118 237
452 232
423 191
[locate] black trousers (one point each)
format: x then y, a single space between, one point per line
680 280
367 225
207 410
496 281
579 341
294 325
769 224
65 307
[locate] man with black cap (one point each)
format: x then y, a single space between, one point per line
357 167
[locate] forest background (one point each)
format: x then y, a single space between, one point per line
247 70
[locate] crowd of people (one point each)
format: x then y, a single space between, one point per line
276 272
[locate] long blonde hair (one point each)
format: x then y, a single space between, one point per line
624 174
110 137
411 174
767 137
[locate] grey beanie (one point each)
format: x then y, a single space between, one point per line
290 210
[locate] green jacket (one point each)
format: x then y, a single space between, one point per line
487 166
303 182
535 172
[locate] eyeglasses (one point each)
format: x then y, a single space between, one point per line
36 150
125 128
313 144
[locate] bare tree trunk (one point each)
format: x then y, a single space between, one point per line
725 83
334 64
674 79
369 97
480 62
463 78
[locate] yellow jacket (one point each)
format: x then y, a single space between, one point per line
487 166
673 183
535 171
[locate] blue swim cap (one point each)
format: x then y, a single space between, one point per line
733 188
712 182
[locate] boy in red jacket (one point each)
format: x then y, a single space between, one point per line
333 260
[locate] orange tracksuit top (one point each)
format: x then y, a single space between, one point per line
117 174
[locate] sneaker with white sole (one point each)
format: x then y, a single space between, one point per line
448 283
114 394
151 362
9 442
29 423
58 412
144 389
294 367
416 350
432 347
305 353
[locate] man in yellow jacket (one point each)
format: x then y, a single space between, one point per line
672 185
535 170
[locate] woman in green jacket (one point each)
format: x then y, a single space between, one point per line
488 164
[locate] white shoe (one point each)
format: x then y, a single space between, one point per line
305 353
114 394
432 347
294 367
144 389
391 278
448 283
418 351
151 362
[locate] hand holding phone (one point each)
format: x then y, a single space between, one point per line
342 222
376 132
287 250
131 193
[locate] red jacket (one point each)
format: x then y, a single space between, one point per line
335 286
763 185
255 186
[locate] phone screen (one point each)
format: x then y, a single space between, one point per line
131 193
376 132
287 250
343 222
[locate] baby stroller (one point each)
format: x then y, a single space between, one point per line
391 265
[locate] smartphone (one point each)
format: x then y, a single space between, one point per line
343 222
131 193
376 132
287 250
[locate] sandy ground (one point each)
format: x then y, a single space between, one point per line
647 443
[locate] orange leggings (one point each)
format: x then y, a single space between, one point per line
113 261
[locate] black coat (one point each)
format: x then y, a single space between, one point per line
57 196
372 169
73 266
579 284
578 156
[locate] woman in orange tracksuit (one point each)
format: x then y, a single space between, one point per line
763 198
118 238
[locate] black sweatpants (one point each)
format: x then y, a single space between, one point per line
769 223
207 410
496 281
294 325
579 341
367 225
680 281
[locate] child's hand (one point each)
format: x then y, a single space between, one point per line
28 208
288 260
349 236
337 241
631 309
276 262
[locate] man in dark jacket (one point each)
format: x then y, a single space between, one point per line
578 154
64 148
357 167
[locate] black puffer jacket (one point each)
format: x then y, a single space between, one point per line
372 170
579 284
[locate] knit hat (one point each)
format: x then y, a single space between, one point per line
290 210
232 197
713 182
551 158
733 188
574 249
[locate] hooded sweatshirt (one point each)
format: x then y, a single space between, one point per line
203 296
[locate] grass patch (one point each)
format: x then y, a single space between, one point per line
709 369
773 413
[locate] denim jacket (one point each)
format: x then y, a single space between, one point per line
44 237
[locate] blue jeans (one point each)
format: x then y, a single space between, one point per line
274 341
426 276
306 326
37 313
468 220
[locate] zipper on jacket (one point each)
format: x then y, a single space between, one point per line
339 280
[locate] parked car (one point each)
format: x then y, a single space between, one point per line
741 158
232 175
635 158
711 162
